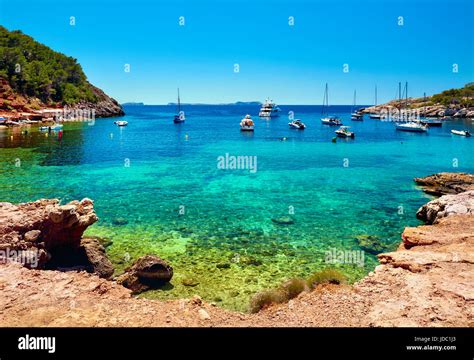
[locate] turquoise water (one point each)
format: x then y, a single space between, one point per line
164 180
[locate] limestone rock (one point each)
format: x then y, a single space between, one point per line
447 205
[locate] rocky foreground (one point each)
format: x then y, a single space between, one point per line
428 281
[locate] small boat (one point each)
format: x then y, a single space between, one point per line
331 120
179 117
54 127
412 127
297 124
269 109
432 122
328 119
461 132
356 115
246 124
343 131
121 123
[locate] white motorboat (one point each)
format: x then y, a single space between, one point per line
297 124
412 127
461 132
246 124
269 109
432 122
331 120
343 131
121 123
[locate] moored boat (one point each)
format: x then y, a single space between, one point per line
356 115
297 124
343 131
432 122
461 132
179 117
412 127
269 109
331 120
328 119
246 124
121 123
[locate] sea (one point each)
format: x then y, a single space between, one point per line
235 213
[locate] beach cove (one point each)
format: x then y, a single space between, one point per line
229 233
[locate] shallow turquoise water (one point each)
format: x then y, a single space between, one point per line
152 170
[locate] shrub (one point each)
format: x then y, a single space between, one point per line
265 298
331 276
294 287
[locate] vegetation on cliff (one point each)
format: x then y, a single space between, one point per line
463 97
34 70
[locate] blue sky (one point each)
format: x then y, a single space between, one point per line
290 64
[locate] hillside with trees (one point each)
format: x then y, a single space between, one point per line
32 71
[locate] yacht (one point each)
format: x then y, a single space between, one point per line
432 122
331 120
343 131
246 124
412 126
269 109
297 124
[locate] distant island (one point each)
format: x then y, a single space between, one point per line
133 104
34 77
237 103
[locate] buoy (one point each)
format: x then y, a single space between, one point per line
186 137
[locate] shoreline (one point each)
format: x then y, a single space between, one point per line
423 283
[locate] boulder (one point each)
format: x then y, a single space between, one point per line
96 257
447 205
148 272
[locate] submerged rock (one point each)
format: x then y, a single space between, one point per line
148 272
189 282
120 221
283 220
371 244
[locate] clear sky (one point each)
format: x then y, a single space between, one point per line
288 63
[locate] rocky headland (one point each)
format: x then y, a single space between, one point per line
458 103
427 281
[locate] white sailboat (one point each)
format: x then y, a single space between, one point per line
357 115
328 119
179 117
376 115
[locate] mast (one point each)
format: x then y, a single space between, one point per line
354 104
399 100
325 99
375 95
179 103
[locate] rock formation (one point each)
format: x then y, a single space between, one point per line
45 234
446 183
447 205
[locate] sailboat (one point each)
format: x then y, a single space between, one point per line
412 126
374 115
179 117
356 116
328 119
